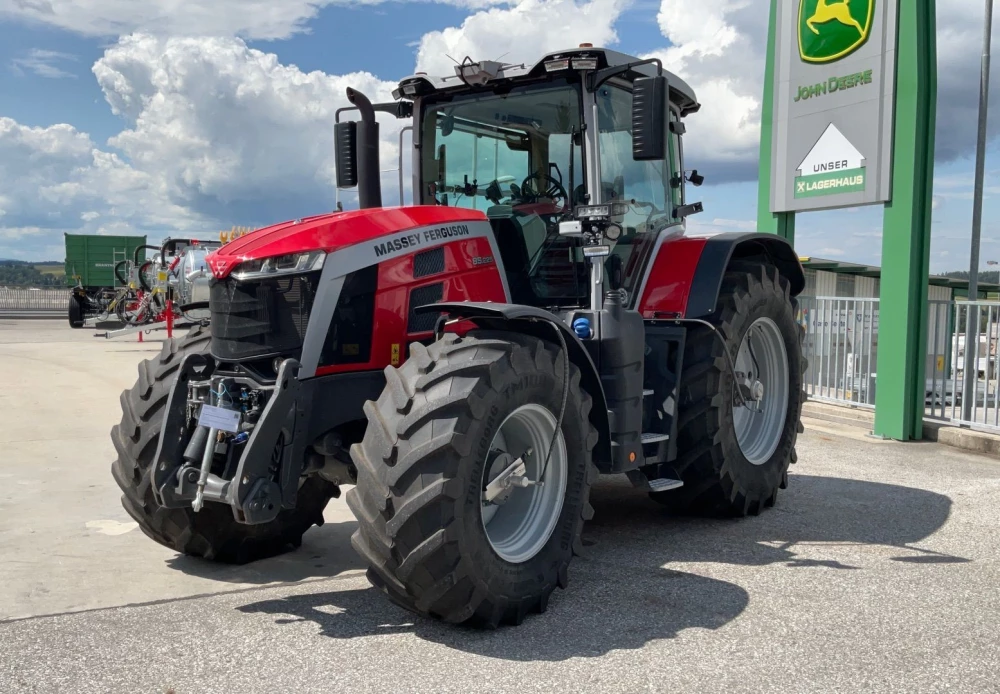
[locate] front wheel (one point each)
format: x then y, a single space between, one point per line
212 533
451 519
736 434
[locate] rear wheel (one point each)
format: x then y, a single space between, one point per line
441 533
736 437
213 532
75 312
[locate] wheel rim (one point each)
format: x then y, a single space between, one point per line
763 380
521 525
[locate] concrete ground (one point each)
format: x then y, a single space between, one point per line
877 571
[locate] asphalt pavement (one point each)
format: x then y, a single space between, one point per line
877 571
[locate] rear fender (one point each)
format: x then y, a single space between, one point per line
686 275
532 321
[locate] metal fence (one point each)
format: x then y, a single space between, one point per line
841 345
947 384
33 302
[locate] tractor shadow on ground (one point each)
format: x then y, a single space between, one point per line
606 608
814 512
622 597
325 552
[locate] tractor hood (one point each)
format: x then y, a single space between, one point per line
331 232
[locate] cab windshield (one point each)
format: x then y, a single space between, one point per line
517 156
516 148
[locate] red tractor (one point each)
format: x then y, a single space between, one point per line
470 363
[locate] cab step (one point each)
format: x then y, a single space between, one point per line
647 392
650 437
663 485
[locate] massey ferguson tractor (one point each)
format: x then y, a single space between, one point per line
467 365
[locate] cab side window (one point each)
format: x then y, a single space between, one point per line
644 185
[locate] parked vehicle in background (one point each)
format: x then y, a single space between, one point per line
141 290
93 271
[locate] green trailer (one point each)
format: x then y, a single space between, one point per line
90 260
90 270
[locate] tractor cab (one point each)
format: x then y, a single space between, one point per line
586 135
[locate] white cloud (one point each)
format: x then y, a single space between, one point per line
523 32
39 169
262 19
43 63
257 19
718 47
227 131
215 134
55 179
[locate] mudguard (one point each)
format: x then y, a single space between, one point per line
686 275
530 321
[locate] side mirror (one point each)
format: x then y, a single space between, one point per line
345 136
649 118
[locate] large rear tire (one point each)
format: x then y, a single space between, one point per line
213 532
733 461
431 542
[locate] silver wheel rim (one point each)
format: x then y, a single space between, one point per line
520 526
762 370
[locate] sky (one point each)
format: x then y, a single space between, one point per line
174 117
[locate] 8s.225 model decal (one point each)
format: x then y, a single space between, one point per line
483 260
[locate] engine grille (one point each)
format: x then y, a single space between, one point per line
261 317
428 263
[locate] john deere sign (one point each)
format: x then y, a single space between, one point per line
832 110
833 29
836 133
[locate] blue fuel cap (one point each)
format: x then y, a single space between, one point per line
581 326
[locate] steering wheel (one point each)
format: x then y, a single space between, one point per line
552 189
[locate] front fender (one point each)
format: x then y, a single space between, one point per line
686 275
532 321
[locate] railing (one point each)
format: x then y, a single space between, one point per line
947 382
33 302
841 345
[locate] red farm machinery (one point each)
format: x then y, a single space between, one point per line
467 365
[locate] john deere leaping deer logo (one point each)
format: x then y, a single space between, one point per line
832 29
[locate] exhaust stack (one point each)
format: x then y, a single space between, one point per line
369 178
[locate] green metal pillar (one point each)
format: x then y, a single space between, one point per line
902 349
782 223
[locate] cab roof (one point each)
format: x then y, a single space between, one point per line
421 84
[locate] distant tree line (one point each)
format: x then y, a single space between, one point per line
16 273
991 276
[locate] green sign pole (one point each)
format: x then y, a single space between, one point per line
781 223
902 349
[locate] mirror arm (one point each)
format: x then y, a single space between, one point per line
598 77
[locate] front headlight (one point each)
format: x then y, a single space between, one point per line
292 264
